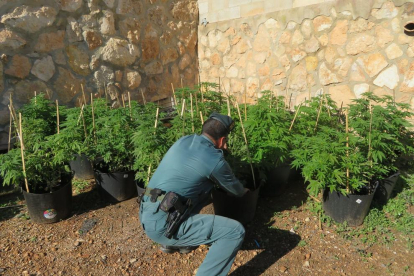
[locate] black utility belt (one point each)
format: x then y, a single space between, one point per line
171 203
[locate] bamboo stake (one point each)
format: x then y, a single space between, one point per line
123 100
10 130
143 98
156 119
80 115
14 121
247 144
182 83
22 153
183 116
294 118
290 100
93 118
319 113
175 99
129 104
106 93
182 108
369 134
340 112
196 101
192 115
202 94
84 125
201 117
57 116
149 172
347 148
35 97
228 107
309 93
83 94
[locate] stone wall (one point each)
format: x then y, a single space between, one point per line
54 46
344 48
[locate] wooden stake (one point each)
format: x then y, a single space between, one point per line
247 144
294 118
183 116
175 99
83 94
129 104
106 93
57 116
290 100
22 153
80 115
93 118
309 93
228 106
369 134
340 112
196 101
14 121
10 130
347 148
201 117
182 108
156 119
192 115
123 100
84 124
149 172
245 105
143 98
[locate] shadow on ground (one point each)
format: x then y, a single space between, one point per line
9 206
275 243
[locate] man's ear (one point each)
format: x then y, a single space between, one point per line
220 142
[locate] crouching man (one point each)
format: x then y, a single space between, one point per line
178 191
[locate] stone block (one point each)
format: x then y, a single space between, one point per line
252 9
302 3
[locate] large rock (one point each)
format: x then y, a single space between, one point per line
232 72
131 29
44 68
157 15
306 28
93 6
321 23
104 76
388 77
359 25
297 79
408 83
30 19
132 79
326 76
169 55
119 52
73 31
330 54
78 59
25 90
48 42
252 87
297 55
372 64
297 37
150 44
129 7
10 40
92 38
20 67
361 43
67 85
341 94
356 73
342 65
338 36
185 10
71 5
107 23
312 45
384 36
388 10
109 3
360 89
88 22
311 63
262 42
154 68
184 62
393 51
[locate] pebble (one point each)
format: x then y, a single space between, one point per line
307 256
283 269
307 219
103 257
132 261
306 264
292 231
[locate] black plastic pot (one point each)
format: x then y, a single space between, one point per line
350 208
241 209
50 207
278 179
117 186
82 167
385 188
140 189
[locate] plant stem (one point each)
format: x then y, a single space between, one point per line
93 118
22 153
57 116
247 144
294 118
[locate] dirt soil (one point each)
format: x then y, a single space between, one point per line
107 239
